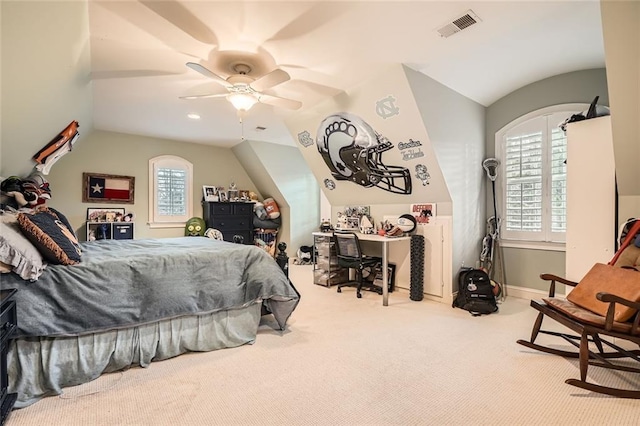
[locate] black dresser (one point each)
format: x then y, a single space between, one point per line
230 218
8 323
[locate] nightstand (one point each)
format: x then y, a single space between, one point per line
8 323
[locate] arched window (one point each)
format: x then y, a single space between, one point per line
170 191
531 185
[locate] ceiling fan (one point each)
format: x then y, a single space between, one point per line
245 91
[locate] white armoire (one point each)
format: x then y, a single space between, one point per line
591 222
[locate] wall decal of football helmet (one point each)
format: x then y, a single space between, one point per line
353 151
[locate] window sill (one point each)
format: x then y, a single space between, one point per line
533 245
153 225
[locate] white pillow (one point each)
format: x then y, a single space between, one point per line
18 252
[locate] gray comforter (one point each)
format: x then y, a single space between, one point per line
130 282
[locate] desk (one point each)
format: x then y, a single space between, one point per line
385 257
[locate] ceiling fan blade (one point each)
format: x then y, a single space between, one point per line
204 71
103 75
278 101
267 81
182 18
209 95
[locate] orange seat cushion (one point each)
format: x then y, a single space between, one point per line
584 316
624 283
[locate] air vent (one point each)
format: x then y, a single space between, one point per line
260 128
459 24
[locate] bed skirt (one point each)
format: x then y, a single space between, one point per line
39 367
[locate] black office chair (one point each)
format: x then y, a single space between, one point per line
350 256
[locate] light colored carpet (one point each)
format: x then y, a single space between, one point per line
348 361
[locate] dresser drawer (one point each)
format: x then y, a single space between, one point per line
247 236
220 208
230 222
243 209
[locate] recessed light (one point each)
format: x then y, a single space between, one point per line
193 116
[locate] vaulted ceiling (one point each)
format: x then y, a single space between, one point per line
139 50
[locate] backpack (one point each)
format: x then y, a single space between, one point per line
475 292
305 255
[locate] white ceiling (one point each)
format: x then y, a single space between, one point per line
139 50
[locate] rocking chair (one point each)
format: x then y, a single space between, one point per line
606 302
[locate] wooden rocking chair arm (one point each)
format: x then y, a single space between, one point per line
612 298
553 279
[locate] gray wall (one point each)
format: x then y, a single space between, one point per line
280 172
121 154
45 82
523 266
455 125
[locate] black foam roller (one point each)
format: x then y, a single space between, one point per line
417 268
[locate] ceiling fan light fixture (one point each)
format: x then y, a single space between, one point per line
242 101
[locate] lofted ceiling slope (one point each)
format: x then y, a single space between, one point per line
139 49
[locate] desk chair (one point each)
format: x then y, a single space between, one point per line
350 256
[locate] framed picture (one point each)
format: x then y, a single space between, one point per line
101 188
209 193
423 212
222 196
243 194
391 271
234 195
105 214
353 223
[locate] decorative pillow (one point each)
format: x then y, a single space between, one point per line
630 257
56 242
64 220
18 252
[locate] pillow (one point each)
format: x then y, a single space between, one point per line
606 278
273 211
18 253
57 243
630 257
64 220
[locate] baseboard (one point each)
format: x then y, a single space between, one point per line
527 293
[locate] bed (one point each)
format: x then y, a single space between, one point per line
130 302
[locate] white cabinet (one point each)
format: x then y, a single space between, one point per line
591 222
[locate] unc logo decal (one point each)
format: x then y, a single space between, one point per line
329 184
386 107
305 139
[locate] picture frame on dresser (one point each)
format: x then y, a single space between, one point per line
209 193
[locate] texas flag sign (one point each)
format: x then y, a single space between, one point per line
108 188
